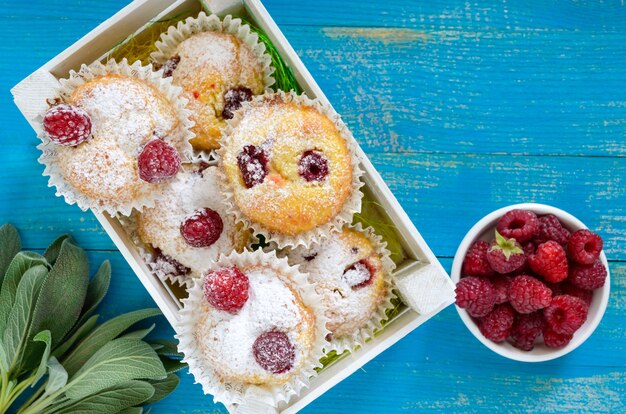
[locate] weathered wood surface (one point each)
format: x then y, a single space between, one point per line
464 107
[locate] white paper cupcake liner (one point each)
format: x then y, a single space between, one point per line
169 41
49 157
240 393
367 332
351 206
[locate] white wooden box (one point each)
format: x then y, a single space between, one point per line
421 265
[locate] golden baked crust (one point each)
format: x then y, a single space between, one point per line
285 202
125 114
211 63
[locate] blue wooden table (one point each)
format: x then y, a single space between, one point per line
464 107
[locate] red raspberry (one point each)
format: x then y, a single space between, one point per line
233 98
226 289
168 265
497 325
555 340
313 166
526 329
588 276
501 284
549 261
550 228
573 290
521 225
566 314
475 262
476 295
274 352
252 163
584 246
158 161
527 294
202 228
505 255
67 125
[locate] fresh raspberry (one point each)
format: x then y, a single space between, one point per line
573 290
505 255
274 352
252 163
588 276
226 289
501 284
170 66
476 295
584 246
158 161
549 261
555 340
526 329
527 294
233 98
550 228
497 325
475 262
168 265
358 275
313 166
521 225
202 228
566 314
67 125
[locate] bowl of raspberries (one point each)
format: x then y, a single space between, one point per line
532 282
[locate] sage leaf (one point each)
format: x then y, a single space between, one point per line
18 266
165 347
97 290
133 410
102 335
57 376
15 334
52 252
119 361
111 400
163 388
82 331
65 290
140 333
171 365
10 245
43 336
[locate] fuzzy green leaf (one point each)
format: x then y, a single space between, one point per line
119 361
15 334
163 388
97 290
65 290
112 400
103 334
43 336
165 347
18 266
132 410
52 252
82 331
10 245
172 365
140 333
57 376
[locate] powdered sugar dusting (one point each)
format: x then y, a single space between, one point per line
227 339
357 274
189 192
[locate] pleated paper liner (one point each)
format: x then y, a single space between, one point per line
237 393
180 137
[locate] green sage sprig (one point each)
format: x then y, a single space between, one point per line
52 346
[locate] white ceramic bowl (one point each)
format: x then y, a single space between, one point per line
484 230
